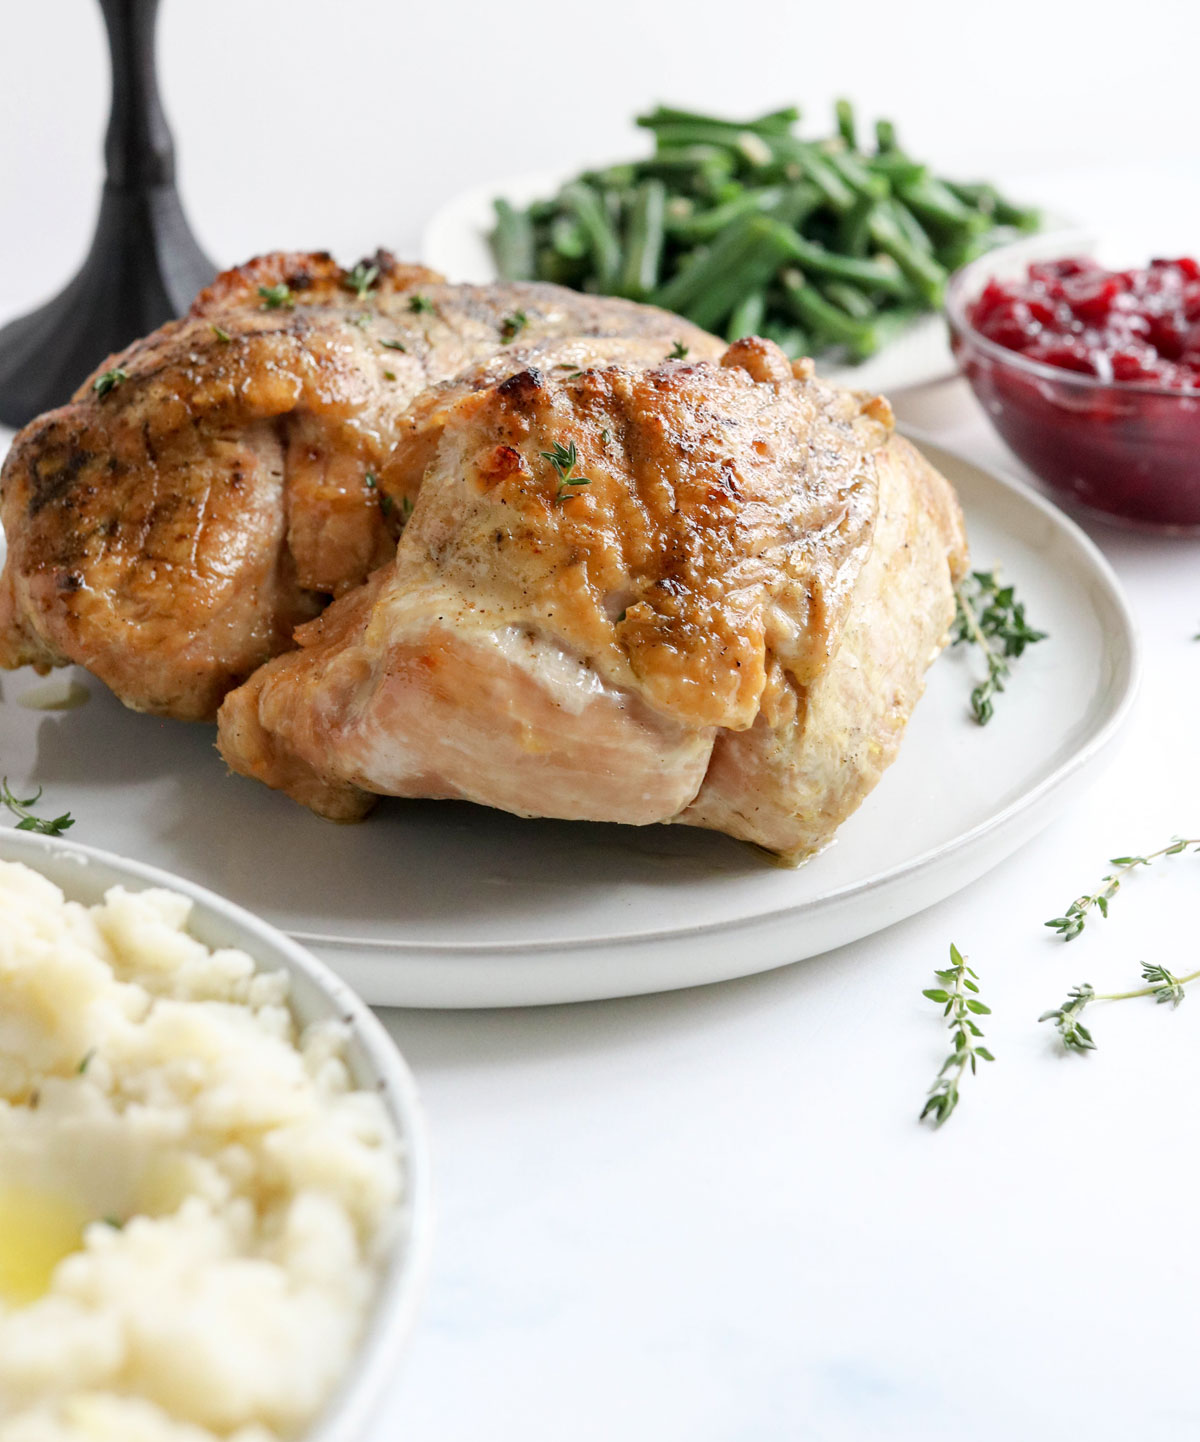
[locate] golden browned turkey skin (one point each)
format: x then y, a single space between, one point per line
726 623
252 461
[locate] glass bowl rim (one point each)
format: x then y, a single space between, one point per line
961 327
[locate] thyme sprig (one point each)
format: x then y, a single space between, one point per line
564 459
989 616
1074 919
512 325
678 351
420 303
20 807
960 1001
361 278
276 297
109 381
1163 985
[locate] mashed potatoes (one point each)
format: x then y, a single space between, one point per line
195 1205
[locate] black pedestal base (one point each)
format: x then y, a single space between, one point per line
143 269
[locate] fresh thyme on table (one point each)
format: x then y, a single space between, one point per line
989 616
1161 984
564 459
1074 919
960 997
20 807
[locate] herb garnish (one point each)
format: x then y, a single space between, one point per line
986 612
276 297
564 459
678 351
386 504
109 381
362 320
406 509
961 1009
512 325
394 345
361 278
420 303
1072 922
221 333
85 1061
389 375
30 822
1161 984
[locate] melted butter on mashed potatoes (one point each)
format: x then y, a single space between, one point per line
195 1204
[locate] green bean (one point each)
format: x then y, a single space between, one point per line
704 224
934 203
747 145
825 320
863 182
849 299
885 135
927 276
896 168
854 229
588 210
775 122
790 339
871 275
814 167
512 242
910 227
844 112
644 240
796 204
740 259
567 237
746 318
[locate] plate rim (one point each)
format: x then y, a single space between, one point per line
1129 679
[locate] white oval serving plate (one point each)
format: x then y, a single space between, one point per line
84 875
443 904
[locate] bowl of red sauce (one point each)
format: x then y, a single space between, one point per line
1091 375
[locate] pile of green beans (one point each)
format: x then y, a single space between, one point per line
748 229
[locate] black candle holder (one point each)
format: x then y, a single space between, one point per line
144 266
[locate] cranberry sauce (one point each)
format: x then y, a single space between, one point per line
1131 450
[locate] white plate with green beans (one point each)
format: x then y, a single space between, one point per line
442 904
835 247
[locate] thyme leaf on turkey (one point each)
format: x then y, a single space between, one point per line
361 278
20 807
989 616
276 297
221 333
1163 985
564 459
1074 919
394 345
420 303
959 997
678 351
512 325
109 381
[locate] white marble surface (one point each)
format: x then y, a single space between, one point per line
711 1216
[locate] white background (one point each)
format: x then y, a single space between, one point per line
710 1216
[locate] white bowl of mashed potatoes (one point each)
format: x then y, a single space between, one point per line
213 1177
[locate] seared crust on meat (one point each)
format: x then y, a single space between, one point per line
170 532
725 623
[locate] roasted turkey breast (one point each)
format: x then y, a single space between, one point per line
683 591
236 469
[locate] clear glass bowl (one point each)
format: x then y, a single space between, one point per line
1126 449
